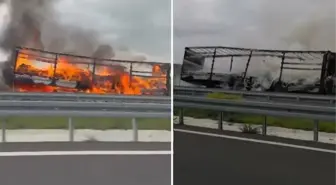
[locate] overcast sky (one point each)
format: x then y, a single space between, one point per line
140 25
274 24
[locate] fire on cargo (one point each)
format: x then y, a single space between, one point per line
41 71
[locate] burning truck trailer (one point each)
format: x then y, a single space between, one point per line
291 71
34 70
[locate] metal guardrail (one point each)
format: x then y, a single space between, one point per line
74 108
83 106
263 96
314 112
81 97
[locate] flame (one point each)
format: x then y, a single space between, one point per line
105 79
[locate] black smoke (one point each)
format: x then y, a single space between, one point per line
35 24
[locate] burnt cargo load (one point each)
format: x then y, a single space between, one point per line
260 70
42 71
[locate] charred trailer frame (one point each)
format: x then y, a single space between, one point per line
328 74
194 61
19 74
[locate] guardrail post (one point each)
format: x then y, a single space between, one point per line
135 130
220 121
316 130
71 130
264 127
268 98
181 120
298 99
3 130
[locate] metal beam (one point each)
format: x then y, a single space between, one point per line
212 64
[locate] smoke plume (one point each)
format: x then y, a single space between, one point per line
314 30
35 24
299 25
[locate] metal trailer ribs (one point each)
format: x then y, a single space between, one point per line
194 61
22 75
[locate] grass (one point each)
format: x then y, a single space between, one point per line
248 128
293 123
225 96
85 123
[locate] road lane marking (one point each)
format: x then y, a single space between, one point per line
256 141
72 153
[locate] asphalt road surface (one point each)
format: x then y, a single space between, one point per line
85 169
200 159
81 146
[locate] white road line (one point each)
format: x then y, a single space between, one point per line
71 153
256 141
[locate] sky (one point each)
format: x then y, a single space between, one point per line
139 26
143 26
266 24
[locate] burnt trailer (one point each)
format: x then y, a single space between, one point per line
290 71
43 71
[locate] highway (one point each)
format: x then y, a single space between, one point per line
240 159
80 146
70 163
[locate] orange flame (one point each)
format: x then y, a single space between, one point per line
107 79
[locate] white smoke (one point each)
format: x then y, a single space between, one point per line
314 31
